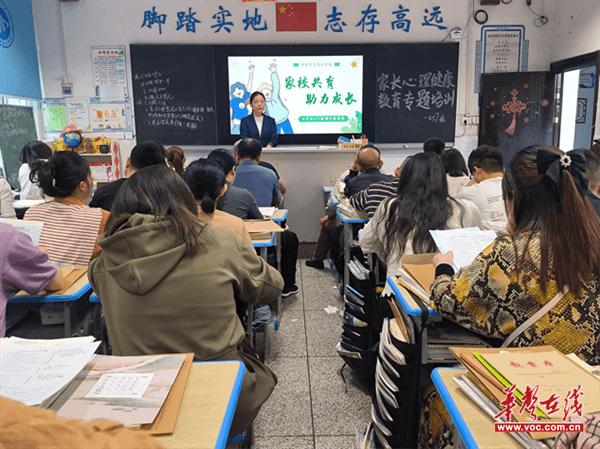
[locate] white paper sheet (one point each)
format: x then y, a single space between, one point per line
32 228
121 385
31 371
466 244
267 212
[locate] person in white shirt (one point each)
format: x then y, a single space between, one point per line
456 171
6 199
30 153
401 224
485 189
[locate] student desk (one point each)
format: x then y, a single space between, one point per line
408 306
473 429
80 288
348 222
208 406
280 215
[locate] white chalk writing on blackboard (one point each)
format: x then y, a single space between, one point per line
428 91
156 98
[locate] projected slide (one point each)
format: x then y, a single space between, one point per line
305 94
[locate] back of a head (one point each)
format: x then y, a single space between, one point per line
224 158
545 192
147 153
434 145
422 204
486 158
156 190
592 170
205 179
596 148
176 159
34 151
61 174
454 163
249 149
368 157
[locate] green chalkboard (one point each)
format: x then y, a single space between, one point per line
17 127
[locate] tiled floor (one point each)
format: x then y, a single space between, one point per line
311 407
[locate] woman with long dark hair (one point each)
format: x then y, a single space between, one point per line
168 281
552 253
71 227
206 180
402 223
176 159
457 174
30 153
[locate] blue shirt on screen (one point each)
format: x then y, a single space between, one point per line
260 181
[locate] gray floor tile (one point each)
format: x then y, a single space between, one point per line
337 442
335 411
283 443
287 412
319 292
323 333
290 339
327 272
294 302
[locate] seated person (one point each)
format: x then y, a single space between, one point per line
23 267
592 175
536 262
7 196
369 199
176 159
71 227
259 181
235 201
401 224
365 172
262 184
434 145
168 282
456 171
485 189
142 155
280 183
30 153
207 182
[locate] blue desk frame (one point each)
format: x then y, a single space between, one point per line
409 309
459 423
66 300
282 218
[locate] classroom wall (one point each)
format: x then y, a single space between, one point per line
118 22
19 73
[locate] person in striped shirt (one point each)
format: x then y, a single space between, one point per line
369 199
71 227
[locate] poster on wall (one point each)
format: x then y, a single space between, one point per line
109 71
502 48
581 110
78 112
54 115
110 115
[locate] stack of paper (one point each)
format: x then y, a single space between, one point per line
35 371
267 212
491 371
466 244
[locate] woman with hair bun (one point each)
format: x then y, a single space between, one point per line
206 180
71 227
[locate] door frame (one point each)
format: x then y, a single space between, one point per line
564 65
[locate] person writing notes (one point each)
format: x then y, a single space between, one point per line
258 125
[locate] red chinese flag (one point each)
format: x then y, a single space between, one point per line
296 16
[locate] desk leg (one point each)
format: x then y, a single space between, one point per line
67 318
347 252
279 311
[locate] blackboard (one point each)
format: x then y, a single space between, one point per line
174 93
516 110
415 90
17 127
